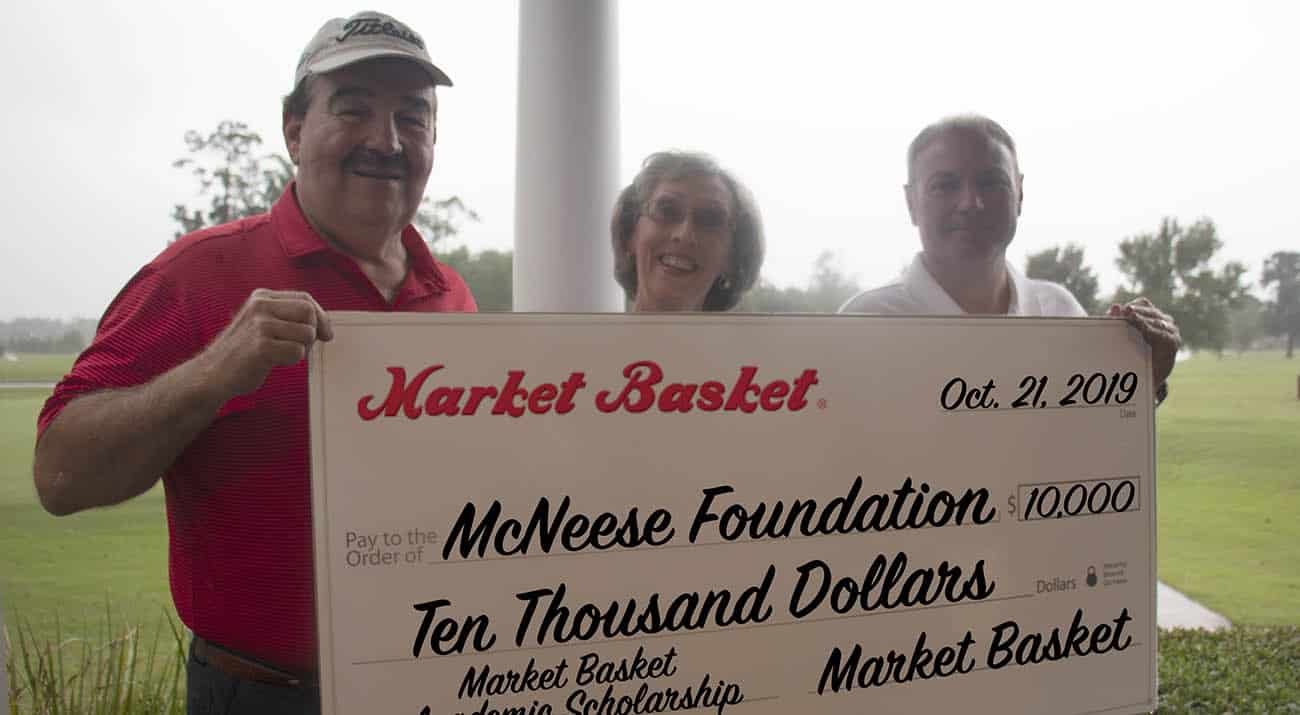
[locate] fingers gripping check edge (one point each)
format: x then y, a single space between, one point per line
290 321
295 306
1153 322
271 329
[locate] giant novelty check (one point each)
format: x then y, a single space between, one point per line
607 515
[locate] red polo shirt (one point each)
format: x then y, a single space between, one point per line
239 497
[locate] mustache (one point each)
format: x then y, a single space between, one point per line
371 161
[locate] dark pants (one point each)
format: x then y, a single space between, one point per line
212 692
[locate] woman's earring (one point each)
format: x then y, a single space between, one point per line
723 282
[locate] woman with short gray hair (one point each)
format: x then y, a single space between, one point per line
686 234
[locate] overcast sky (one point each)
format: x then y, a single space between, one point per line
1123 113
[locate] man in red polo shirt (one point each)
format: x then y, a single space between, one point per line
197 377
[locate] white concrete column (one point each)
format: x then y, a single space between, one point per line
566 156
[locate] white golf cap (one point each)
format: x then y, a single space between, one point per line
364 36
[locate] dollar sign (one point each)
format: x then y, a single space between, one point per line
1011 504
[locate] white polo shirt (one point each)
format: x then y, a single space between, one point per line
916 292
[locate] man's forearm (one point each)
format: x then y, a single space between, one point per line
106 447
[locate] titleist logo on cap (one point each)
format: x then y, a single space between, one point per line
363 26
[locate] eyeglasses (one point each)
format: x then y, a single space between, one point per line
668 211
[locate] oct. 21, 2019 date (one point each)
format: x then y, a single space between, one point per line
1096 390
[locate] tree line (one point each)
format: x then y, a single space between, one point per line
1174 266
45 335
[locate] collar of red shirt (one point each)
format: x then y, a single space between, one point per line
298 238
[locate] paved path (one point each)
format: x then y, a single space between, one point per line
1174 610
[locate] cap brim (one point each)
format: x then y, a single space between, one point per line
351 57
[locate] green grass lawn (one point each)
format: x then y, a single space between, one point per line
71 567
1229 486
35 368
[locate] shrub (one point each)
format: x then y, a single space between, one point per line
112 674
1238 670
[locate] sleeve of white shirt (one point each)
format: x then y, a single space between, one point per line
1055 301
891 299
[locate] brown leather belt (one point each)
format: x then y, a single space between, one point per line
245 668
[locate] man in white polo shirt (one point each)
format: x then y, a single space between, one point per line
917 292
964 195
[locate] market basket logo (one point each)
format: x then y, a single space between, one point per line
643 389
